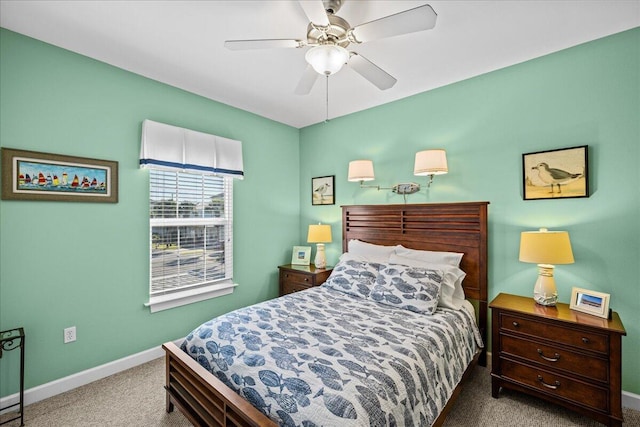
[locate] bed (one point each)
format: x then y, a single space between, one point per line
330 357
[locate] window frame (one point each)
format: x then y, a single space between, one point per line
193 292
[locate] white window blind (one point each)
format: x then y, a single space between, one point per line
191 230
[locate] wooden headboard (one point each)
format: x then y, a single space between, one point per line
450 227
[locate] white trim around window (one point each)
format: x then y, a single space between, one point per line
177 299
190 238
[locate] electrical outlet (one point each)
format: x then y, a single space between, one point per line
69 334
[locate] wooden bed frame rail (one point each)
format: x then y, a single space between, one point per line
452 227
203 398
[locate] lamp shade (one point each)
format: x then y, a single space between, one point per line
361 170
546 247
319 233
430 162
327 59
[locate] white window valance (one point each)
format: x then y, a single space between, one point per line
174 148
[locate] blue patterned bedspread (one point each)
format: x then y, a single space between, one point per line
325 358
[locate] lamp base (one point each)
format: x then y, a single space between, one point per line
544 291
321 260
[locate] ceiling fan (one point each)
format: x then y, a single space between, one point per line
329 36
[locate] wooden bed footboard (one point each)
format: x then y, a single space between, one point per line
204 399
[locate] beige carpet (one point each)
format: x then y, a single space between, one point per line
136 398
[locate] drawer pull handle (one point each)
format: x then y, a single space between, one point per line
306 279
585 340
555 357
516 324
553 386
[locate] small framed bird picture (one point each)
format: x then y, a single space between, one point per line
322 190
556 174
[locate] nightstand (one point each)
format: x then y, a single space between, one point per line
294 278
558 354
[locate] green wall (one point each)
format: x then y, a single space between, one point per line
87 264
589 94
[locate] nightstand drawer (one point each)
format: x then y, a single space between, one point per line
556 357
559 385
585 340
300 278
294 278
289 287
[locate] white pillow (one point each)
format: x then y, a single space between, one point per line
449 258
369 251
451 292
348 256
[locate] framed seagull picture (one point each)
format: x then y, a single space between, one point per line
556 174
322 190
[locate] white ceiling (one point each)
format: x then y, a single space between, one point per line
180 43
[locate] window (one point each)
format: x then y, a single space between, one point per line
191 232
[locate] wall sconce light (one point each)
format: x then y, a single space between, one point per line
430 162
427 162
362 170
320 234
545 248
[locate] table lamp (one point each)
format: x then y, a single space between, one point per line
320 234
545 248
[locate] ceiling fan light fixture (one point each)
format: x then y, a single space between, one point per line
327 59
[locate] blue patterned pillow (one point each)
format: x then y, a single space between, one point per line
353 276
411 288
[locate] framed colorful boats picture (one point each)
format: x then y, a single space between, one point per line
30 175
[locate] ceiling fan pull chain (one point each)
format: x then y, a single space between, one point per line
327 98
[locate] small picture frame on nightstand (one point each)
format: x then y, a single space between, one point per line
590 302
301 255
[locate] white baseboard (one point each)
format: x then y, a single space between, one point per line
631 400
44 391
62 385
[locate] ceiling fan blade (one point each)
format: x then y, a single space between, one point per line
262 44
371 71
307 81
314 9
412 20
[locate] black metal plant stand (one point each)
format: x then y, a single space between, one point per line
10 340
